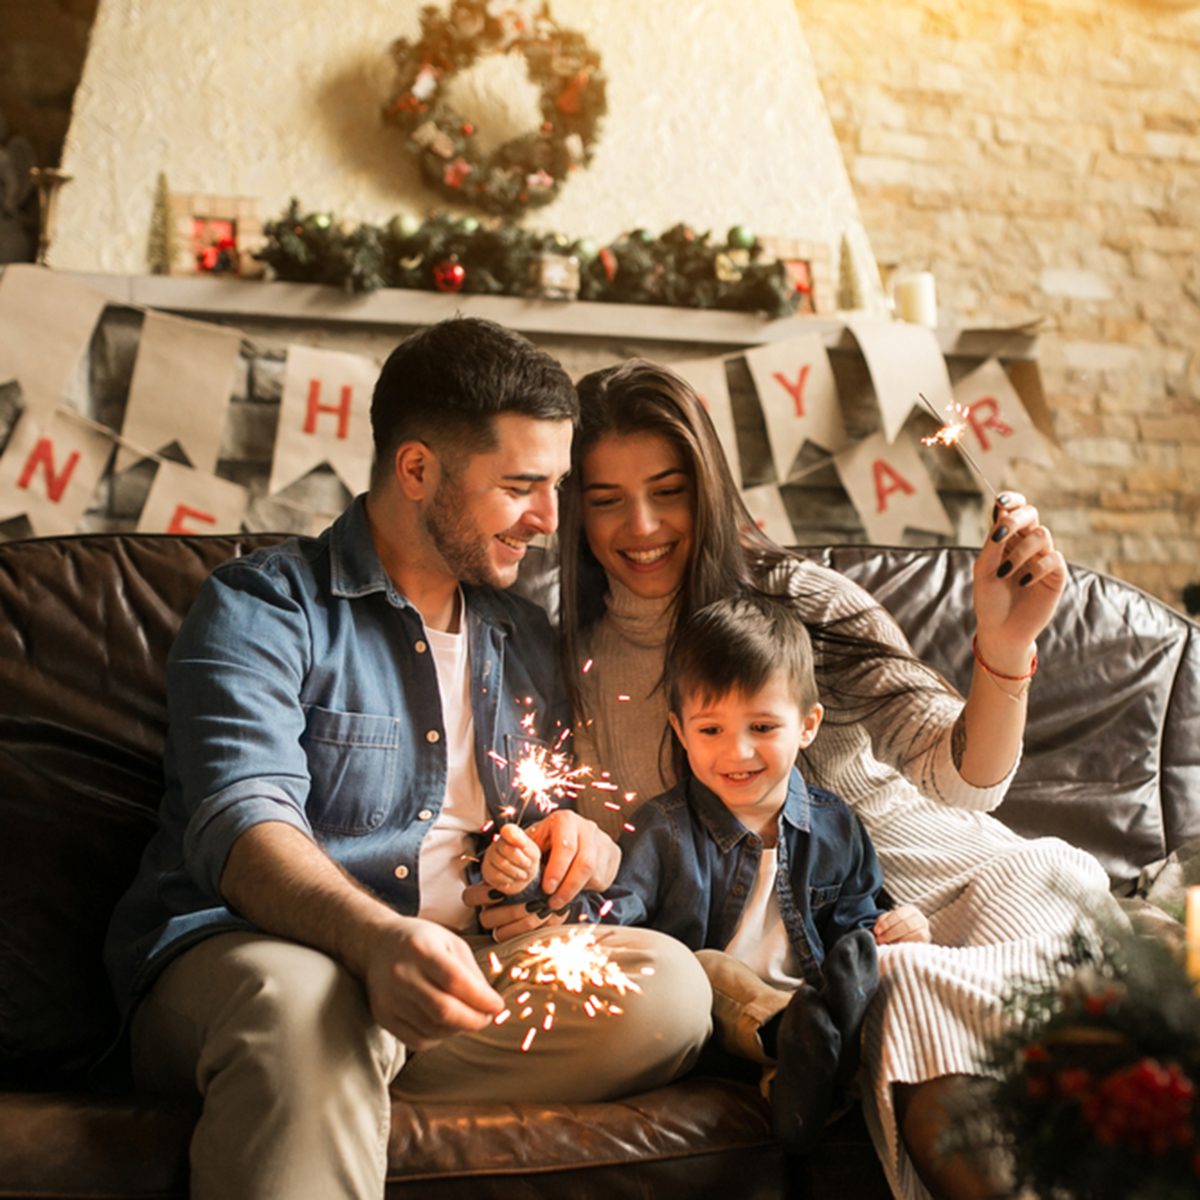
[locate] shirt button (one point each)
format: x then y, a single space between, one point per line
420 647
737 889
401 872
433 736
424 815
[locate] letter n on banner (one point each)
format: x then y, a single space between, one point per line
707 377
48 473
798 397
324 417
890 489
185 501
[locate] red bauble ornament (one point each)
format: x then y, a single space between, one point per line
449 275
608 261
467 129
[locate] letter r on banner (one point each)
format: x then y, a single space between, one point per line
184 513
43 456
990 419
315 407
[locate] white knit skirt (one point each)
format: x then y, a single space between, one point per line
1001 908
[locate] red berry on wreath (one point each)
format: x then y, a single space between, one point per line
449 275
608 261
467 129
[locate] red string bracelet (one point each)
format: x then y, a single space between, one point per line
998 674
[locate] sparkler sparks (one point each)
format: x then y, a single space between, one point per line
544 777
950 434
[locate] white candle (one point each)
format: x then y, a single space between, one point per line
1193 933
915 299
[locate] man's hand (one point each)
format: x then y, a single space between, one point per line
578 855
904 923
512 860
423 984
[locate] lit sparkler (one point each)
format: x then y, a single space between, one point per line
950 434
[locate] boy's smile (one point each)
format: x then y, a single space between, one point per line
742 746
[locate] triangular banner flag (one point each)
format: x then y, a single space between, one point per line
46 323
324 416
50 471
180 390
905 362
998 429
890 489
185 501
769 512
707 377
798 397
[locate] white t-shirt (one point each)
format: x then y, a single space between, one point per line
442 862
760 940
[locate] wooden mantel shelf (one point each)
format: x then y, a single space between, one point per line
403 307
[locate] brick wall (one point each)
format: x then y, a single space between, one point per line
1044 159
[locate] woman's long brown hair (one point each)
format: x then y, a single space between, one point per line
730 554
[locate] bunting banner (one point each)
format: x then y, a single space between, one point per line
46 323
998 429
891 489
185 501
707 377
770 513
182 380
798 396
49 472
324 417
905 362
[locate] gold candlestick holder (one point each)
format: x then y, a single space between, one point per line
48 181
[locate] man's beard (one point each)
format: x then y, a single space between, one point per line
457 540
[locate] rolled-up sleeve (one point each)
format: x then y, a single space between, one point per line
234 680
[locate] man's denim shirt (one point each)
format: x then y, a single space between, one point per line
689 867
301 689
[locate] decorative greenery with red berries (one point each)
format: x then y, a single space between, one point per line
1097 1097
527 171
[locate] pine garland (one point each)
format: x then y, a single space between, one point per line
680 267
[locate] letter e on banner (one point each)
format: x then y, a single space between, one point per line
184 513
183 501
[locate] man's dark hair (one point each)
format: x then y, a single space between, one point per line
736 646
444 385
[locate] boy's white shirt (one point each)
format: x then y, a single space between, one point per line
760 939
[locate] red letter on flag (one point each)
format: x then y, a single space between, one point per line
185 513
43 453
887 481
342 408
990 420
795 390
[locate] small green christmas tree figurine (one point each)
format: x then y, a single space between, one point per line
160 248
849 294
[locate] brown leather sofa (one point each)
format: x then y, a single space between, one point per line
1112 764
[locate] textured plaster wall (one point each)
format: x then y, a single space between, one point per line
716 117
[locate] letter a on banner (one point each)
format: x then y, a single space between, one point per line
998 427
182 380
50 471
46 322
185 501
798 397
707 376
890 489
324 416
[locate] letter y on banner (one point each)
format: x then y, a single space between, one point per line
185 501
324 416
50 471
890 489
799 399
707 377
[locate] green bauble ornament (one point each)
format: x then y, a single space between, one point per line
641 235
322 220
405 225
467 225
586 248
741 237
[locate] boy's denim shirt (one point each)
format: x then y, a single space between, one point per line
689 866
301 689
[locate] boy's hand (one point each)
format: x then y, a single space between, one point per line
905 923
512 861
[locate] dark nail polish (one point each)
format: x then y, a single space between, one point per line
1025 580
495 894
539 908
1001 532
1005 567
995 512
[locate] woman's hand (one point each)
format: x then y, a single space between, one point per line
904 923
512 860
1019 577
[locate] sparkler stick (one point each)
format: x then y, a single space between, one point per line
950 434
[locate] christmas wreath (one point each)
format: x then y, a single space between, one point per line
526 171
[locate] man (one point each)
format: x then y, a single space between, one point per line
344 714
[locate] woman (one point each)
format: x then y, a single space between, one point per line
653 528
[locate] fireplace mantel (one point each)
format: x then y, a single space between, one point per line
315 303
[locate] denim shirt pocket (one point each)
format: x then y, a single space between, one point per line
820 898
352 761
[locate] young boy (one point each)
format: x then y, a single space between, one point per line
773 882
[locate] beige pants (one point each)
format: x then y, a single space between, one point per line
742 1004
294 1074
